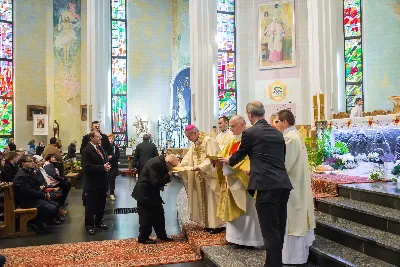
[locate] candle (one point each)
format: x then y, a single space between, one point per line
313 137
315 104
315 107
321 107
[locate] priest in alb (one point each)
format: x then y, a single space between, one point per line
225 136
300 208
236 206
202 181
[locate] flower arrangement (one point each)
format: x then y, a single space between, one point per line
76 166
396 169
340 162
340 148
374 157
377 173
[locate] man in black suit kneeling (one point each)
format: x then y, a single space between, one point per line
154 176
95 168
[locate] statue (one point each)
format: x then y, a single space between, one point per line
56 129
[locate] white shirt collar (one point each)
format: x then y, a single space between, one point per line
290 128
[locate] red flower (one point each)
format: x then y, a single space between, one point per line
4 121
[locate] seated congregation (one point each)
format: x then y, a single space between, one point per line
37 183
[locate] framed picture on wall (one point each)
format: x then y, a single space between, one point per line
83 113
33 109
276 43
40 124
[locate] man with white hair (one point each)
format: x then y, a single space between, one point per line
202 181
236 207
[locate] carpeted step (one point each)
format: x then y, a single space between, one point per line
370 241
382 194
325 252
379 217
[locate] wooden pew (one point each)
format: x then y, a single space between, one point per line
7 228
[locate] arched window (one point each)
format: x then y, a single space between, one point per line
226 30
6 73
353 55
118 72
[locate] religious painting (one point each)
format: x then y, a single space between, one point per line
32 110
276 26
67 65
40 124
272 109
83 113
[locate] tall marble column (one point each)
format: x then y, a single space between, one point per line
324 41
203 62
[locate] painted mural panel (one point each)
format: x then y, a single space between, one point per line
67 66
180 35
277 35
381 49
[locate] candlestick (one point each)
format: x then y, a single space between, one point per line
313 139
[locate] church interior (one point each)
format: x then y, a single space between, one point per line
163 71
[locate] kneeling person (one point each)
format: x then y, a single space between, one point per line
153 177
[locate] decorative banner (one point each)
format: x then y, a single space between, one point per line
276 26
272 109
276 91
40 124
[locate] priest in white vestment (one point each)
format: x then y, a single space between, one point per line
202 181
300 208
236 207
225 135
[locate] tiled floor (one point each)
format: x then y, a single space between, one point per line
121 226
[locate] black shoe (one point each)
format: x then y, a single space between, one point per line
101 226
38 228
217 230
56 222
166 238
61 218
147 242
90 230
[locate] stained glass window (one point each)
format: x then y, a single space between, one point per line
226 30
353 51
118 72
6 72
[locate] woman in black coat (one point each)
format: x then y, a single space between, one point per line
113 158
40 148
72 150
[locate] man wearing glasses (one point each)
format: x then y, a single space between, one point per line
154 176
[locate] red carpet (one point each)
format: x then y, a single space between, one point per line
198 238
326 185
125 252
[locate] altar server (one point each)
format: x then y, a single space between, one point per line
300 213
225 136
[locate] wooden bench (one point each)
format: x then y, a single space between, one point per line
8 227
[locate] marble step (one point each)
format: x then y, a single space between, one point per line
379 217
327 253
370 241
382 194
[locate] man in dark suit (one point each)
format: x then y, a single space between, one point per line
154 176
144 151
29 194
265 147
105 143
95 167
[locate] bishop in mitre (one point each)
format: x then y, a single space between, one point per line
236 206
225 136
202 181
300 208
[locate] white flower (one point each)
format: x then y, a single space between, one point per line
361 157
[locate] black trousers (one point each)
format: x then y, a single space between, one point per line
151 217
95 205
271 208
111 181
65 187
46 212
